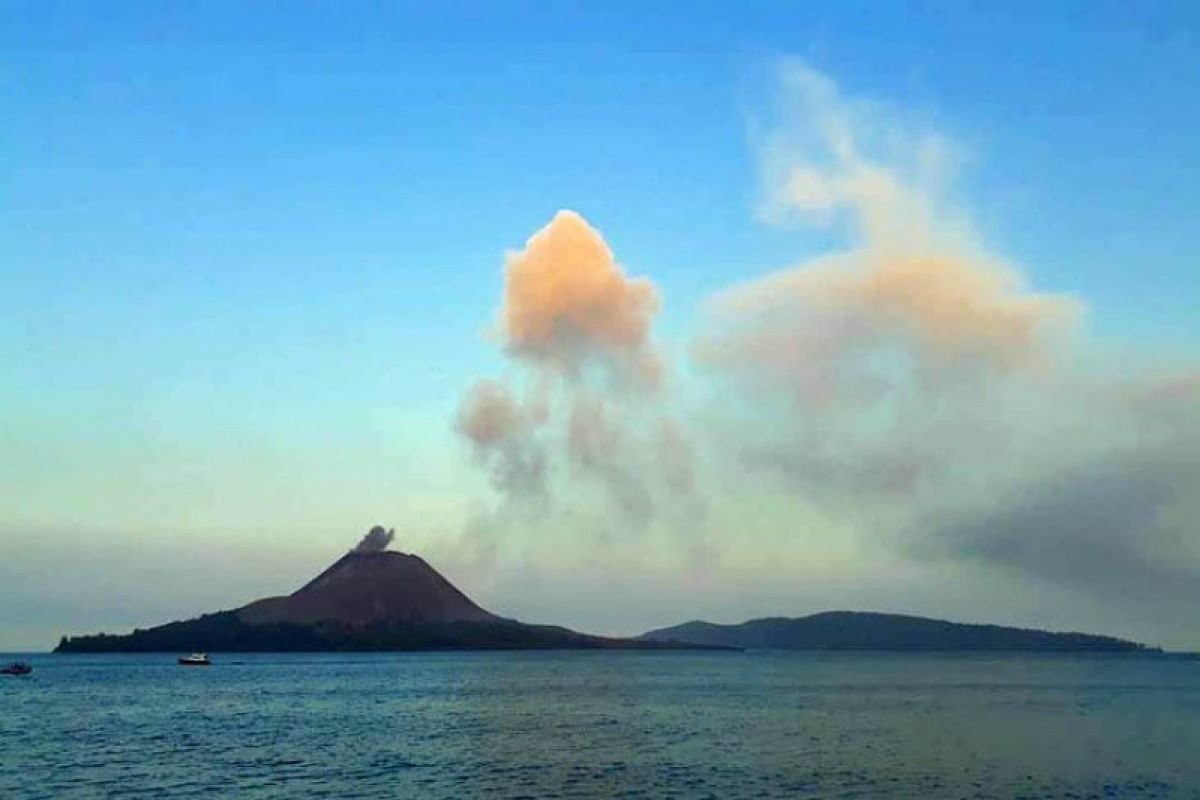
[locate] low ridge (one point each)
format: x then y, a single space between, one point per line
857 630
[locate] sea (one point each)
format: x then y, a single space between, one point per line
605 724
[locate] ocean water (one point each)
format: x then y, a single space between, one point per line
602 724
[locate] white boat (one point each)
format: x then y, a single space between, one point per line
195 660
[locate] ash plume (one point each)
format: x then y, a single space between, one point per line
916 383
503 437
908 403
568 305
584 402
916 299
376 540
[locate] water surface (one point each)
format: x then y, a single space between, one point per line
602 724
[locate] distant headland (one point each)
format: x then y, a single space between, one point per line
857 630
376 599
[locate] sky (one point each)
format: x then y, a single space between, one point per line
621 316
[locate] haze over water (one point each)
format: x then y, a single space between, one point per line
611 724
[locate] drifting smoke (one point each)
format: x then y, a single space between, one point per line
913 301
916 380
882 355
911 392
376 540
820 327
584 404
502 434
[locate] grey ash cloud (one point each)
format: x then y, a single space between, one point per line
376 540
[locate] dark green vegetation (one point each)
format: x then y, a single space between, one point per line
851 630
226 632
369 599
375 599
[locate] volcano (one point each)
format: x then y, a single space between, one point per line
371 598
365 588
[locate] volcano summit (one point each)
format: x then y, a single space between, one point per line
369 587
371 598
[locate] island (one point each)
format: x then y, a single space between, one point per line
377 599
858 630
370 599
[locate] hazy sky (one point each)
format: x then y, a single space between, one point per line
902 314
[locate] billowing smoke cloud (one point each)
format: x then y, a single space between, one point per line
584 404
568 304
376 540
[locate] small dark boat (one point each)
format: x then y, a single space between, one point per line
17 668
195 660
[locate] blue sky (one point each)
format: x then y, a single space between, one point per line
264 242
